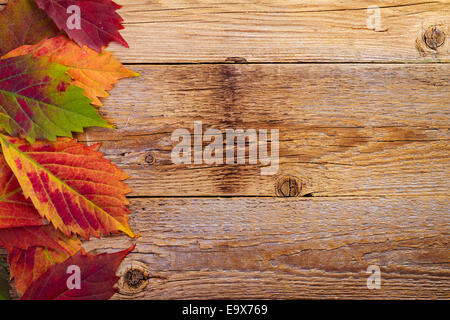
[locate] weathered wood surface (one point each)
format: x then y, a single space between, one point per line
368 142
288 248
279 30
344 129
186 31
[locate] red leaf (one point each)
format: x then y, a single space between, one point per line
97 278
15 210
71 185
99 22
22 22
29 265
26 237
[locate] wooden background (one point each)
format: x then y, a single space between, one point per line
364 144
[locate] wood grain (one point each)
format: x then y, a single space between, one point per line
186 31
286 248
364 122
289 248
349 129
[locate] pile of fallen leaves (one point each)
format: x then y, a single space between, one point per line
55 191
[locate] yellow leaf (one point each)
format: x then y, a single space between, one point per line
71 185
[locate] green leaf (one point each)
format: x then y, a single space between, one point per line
38 101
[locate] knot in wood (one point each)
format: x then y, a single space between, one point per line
133 278
149 158
288 187
434 38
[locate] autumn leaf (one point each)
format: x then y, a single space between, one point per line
92 71
22 22
71 185
99 24
37 100
26 237
52 191
4 283
15 210
29 265
97 278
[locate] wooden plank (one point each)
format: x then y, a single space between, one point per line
280 31
376 134
287 248
344 129
179 31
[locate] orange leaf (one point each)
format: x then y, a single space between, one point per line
71 185
26 237
92 71
15 210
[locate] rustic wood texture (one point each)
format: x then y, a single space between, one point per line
344 129
295 248
186 31
364 122
279 30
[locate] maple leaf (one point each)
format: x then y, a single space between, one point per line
15 210
97 278
37 100
22 22
99 21
71 185
28 265
92 71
